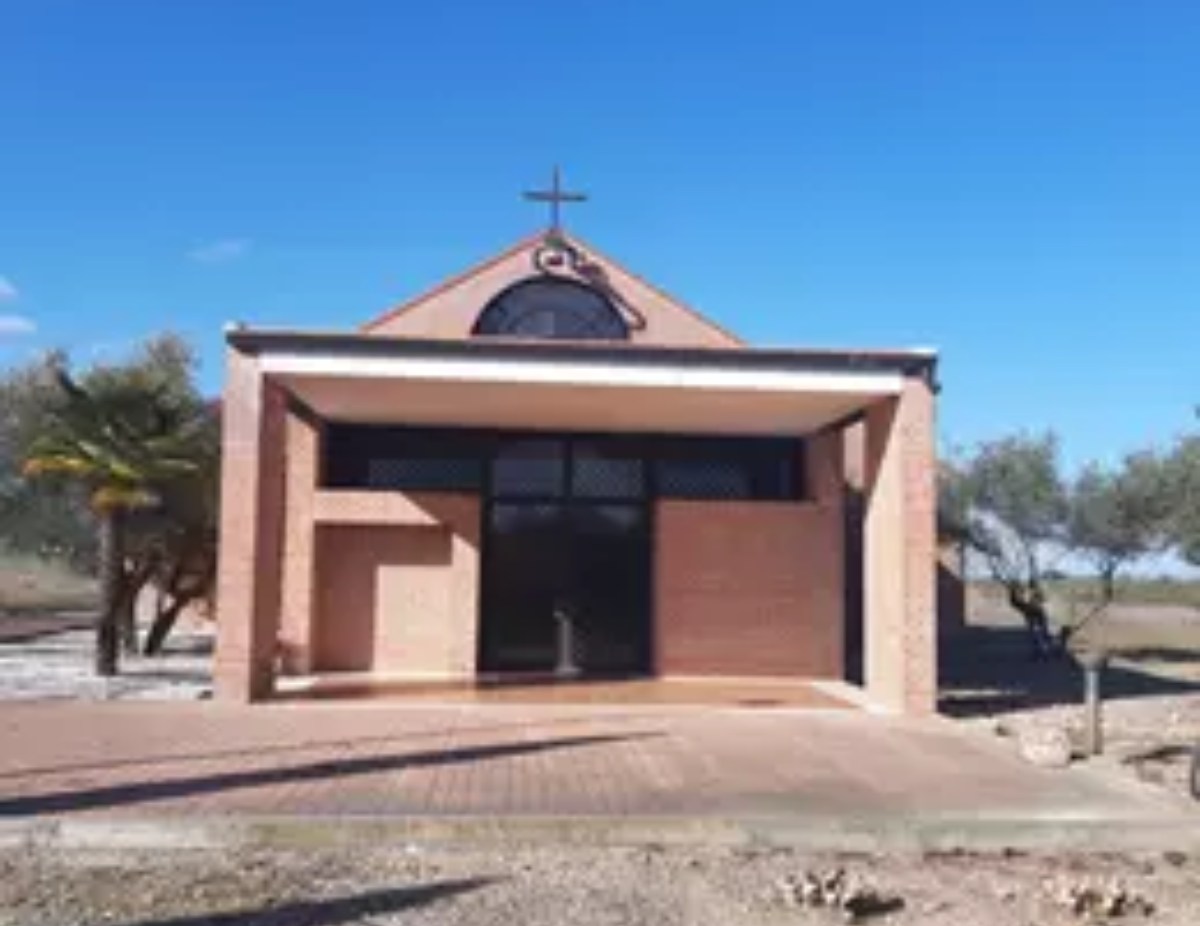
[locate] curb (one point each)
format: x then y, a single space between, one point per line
811 833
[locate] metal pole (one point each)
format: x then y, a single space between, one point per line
565 662
1093 665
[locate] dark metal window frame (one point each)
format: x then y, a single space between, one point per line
652 450
502 317
491 498
568 495
347 466
642 447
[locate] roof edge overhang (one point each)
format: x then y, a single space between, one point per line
560 385
915 362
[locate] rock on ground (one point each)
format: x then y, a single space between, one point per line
1049 748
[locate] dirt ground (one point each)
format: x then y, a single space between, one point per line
989 681
32 583
1151 685
655 886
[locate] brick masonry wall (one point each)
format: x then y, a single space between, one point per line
302 459
750 589
900 545
253 502
397 598
450 310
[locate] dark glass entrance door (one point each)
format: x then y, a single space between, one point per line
567 538
609 594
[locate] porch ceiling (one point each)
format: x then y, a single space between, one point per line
640 393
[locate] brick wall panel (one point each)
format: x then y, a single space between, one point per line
749 588
401 598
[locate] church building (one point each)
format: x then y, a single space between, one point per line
547 468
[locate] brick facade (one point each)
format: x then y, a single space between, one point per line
449 311
748 589
397 580
754 588
253 468
303 461
900 555
318 580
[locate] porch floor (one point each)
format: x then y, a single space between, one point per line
722 692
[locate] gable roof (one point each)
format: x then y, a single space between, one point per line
463 276
442 310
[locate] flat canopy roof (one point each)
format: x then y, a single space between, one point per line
577 385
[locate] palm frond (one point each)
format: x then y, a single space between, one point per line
113 497
56 464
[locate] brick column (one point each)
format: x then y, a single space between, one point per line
901 551
303 448
251 530
827 467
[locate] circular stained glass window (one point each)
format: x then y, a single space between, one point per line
549 308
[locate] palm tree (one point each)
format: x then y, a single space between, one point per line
124 439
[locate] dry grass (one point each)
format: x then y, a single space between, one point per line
1149 617
1158 590
1146 640
31 583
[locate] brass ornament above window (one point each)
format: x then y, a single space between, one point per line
558 258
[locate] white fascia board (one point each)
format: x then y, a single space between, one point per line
579 373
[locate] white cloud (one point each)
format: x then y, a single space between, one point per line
8 292
221 252
16 325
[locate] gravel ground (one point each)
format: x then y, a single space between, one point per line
556 887
1151 688
59 666
1148 738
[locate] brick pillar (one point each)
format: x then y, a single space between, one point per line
827 488
827 467
251 529
901 551
303 448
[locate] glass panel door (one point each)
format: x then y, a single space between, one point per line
567 542
525 566
609 595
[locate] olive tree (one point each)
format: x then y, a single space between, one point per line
1183 468
1120 515
1009 503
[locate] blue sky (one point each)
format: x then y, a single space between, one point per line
1015 183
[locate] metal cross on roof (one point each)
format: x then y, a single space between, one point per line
555 196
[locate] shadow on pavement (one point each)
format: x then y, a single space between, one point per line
143 792
314 745
331 911
988 670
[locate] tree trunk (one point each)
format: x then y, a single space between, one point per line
164 621
1030 604
127 619
1108 585
112 555
1107 578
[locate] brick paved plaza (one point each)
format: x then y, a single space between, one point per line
398 758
